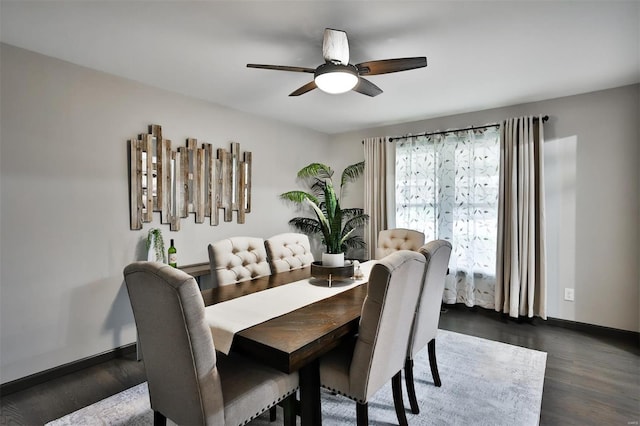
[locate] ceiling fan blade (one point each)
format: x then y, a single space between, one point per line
304 89
366 87
391 65
282 68
335 47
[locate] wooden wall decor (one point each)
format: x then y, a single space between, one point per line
187 180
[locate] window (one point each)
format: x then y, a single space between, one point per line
447 187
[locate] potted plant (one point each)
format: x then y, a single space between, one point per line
155 246
335 224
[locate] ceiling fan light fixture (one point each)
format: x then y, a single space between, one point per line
337 75
336 78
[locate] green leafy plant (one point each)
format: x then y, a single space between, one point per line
335 224
155 237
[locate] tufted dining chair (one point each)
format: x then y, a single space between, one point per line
188 381
238 259
425 326
288 251
390 240
360 367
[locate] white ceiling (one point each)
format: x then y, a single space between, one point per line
481 54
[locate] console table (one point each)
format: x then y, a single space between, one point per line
196 270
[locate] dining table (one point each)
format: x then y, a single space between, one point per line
295 340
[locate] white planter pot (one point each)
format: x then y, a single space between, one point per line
330 259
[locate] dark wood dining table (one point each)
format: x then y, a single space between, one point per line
295 341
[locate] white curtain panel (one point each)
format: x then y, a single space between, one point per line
447 187
375 190
521 261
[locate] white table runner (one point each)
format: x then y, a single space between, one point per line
230 317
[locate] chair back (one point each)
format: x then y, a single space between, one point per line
390 240
288 251
176 343
238 259
425 327
385 324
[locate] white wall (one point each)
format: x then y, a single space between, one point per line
593 217
65 235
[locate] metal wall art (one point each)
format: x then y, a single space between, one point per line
188 180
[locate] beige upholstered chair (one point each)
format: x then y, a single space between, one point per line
288 251
377 354
390 240
188 381
238 259
425 325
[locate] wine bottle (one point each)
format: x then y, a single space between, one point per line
173 256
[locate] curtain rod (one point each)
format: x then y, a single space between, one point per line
395 138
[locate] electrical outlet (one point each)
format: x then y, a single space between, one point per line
568 294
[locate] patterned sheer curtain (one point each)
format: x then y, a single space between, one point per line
447 186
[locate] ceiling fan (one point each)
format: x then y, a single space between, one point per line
337 75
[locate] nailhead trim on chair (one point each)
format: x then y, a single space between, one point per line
344 394
268 407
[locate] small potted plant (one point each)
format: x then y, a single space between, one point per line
335 224
155 246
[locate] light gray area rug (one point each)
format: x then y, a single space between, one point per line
483 383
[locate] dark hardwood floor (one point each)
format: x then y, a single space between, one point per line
592 377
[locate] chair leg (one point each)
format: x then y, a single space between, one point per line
396 386
433 362
272 414
362 414
411 389
289 408
159 419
